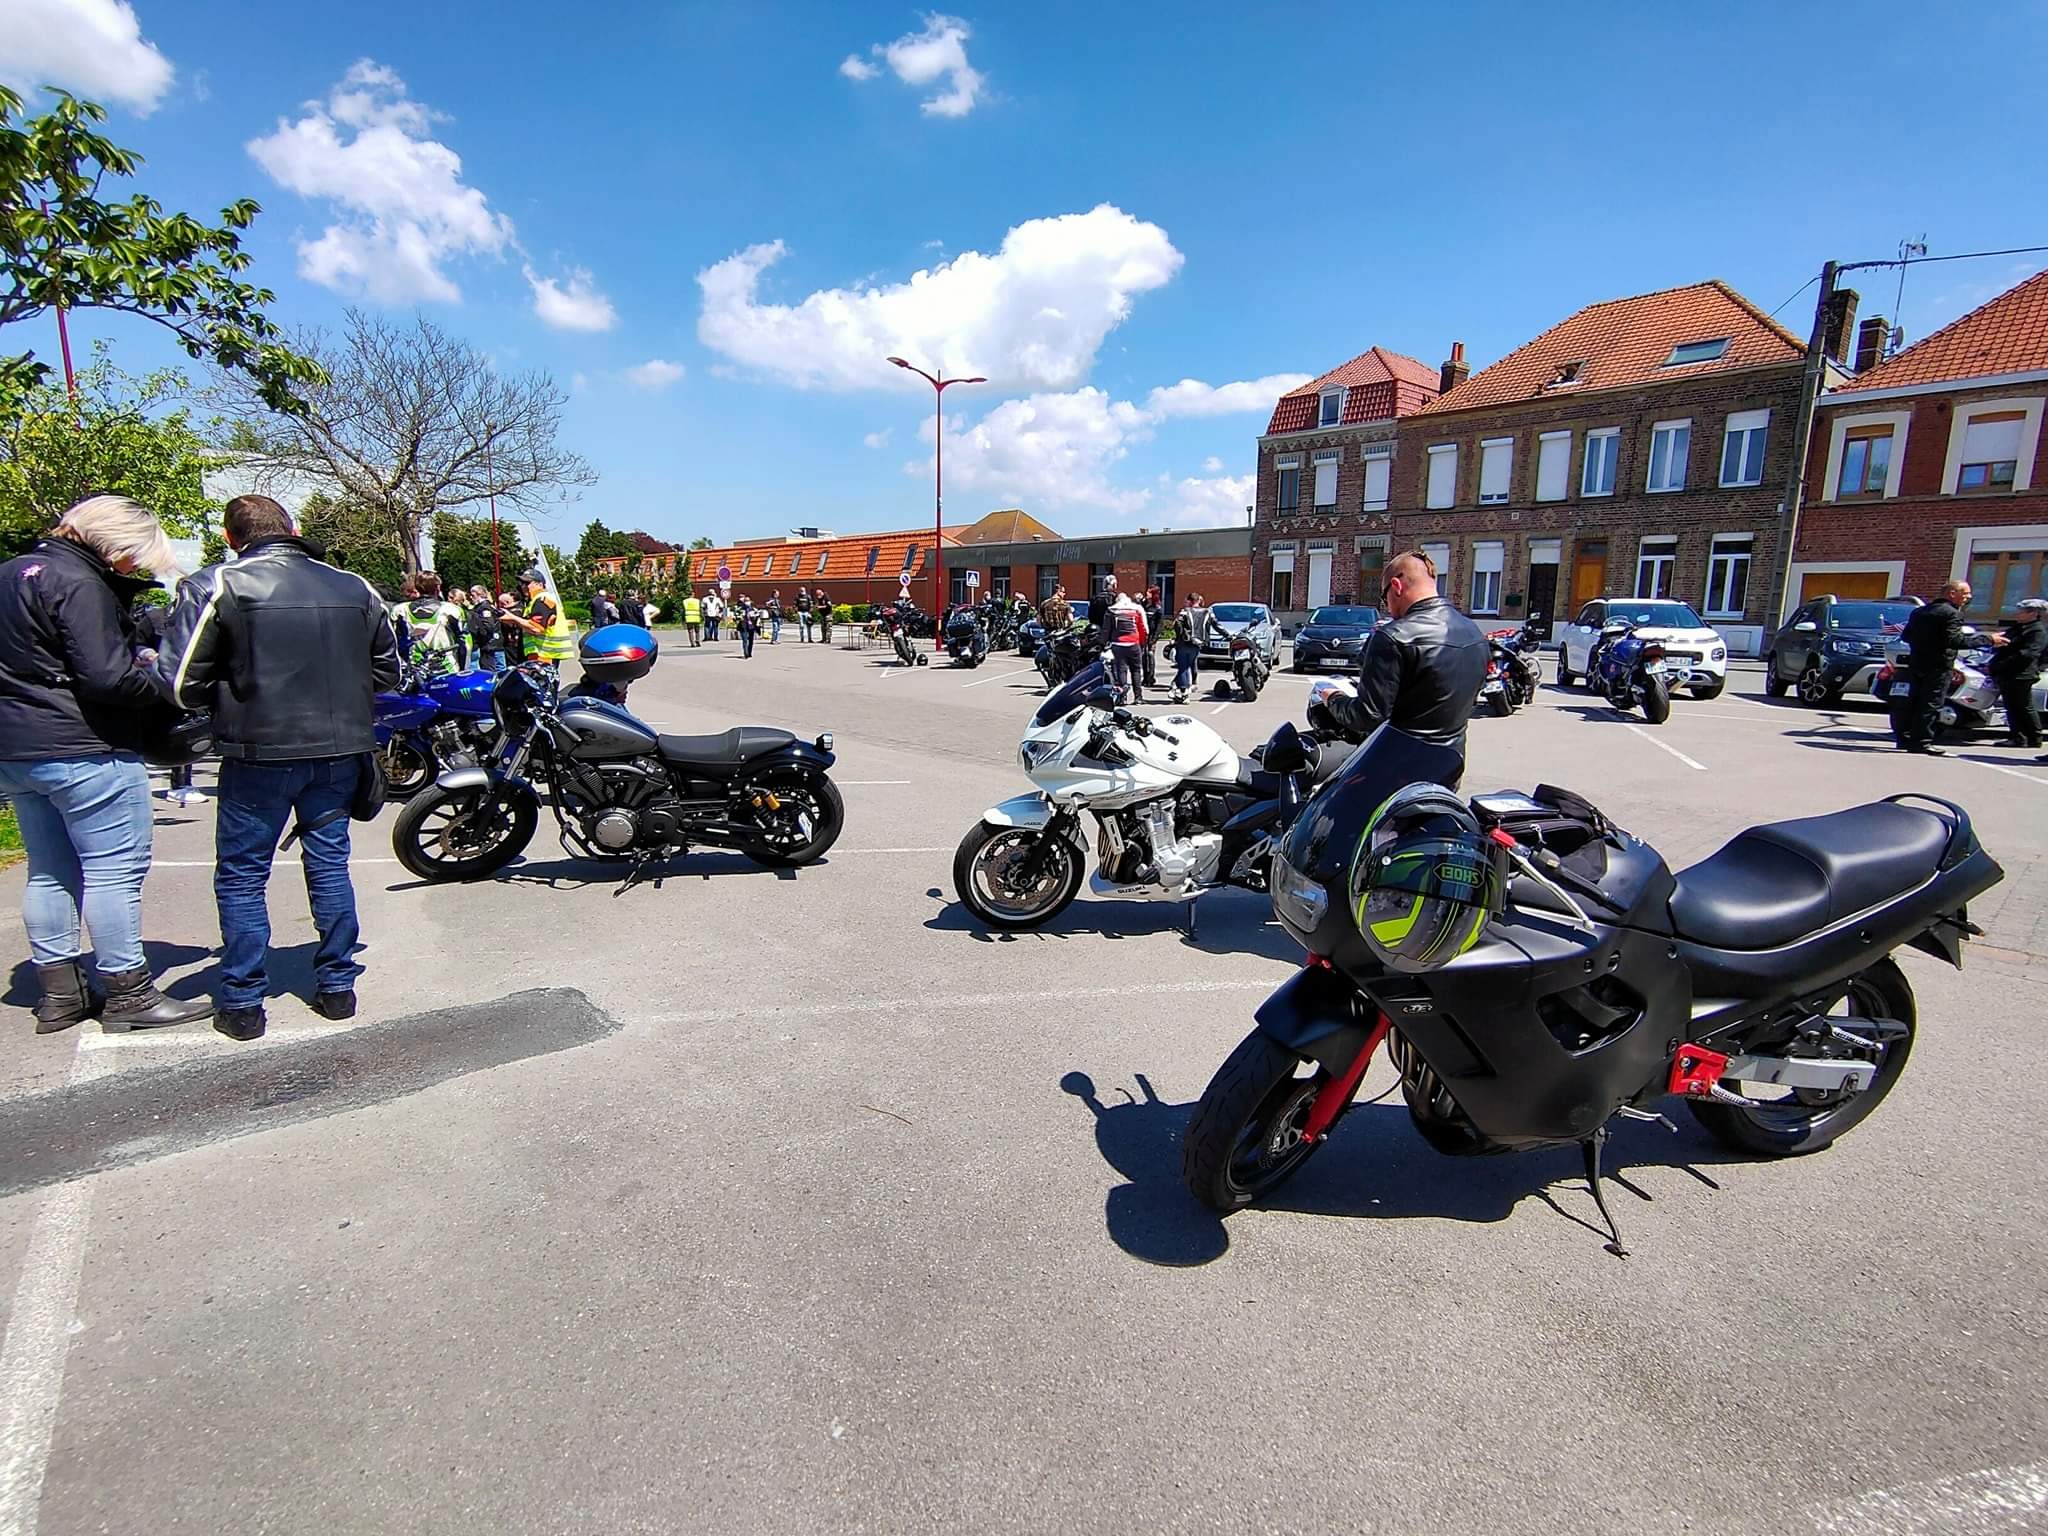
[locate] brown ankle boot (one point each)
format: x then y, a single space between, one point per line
67 998
133 1002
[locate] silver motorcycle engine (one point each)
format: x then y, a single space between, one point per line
1179 862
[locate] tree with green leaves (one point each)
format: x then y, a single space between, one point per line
355 538
701 542
132 436
64 246
462 551
570 579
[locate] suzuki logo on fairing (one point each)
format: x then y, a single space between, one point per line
1418 1007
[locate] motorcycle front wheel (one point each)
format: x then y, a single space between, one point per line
904 653
989 874
407 770
1244 1139
1656 700
464 834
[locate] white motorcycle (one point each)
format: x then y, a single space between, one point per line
1177 811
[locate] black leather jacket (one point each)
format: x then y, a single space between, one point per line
1421 672
69 685
2019 659
1933 634
289 651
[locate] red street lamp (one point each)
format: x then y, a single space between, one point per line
939 387
491 485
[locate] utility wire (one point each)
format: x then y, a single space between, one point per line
1914 261
1802 288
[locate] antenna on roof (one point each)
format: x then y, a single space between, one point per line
1908 249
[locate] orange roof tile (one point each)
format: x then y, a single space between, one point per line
1624 343
2007 335
1413 383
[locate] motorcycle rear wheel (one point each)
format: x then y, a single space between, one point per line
1244 1139
984 859
1500 703
1249 683
1656 700
1805 1120
803 828
464 834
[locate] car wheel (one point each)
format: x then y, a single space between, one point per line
1814 688
1774 685
1711 690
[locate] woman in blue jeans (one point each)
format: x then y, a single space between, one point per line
75 705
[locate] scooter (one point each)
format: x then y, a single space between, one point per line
1635 672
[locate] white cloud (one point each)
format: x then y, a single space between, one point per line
1210 502
93 48
878 439
1033 314
202 85
578 382
1211 464
572 305
405 210
920 59
1191 397
655 373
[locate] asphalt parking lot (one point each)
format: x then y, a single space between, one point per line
752 1201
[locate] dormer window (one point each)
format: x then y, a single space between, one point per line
1696 352
1567 374
1332 410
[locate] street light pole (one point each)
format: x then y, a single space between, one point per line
491 475
939 387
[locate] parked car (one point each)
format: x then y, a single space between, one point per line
1833 645
1033 632
1229 619
1684 635
1333 637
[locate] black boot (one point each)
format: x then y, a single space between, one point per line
133 1002
67 998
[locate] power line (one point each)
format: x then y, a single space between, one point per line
1802 288
1914 261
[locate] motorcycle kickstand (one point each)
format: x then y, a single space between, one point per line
1592 1147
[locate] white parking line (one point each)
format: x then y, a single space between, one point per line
1664 746
998 677
888 850
1996 768
930 1003
208 863
865 783
1222 707
1997 1499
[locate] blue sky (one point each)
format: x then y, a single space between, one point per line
1217 194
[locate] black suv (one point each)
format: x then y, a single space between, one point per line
1831 645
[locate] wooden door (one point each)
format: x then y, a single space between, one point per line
1852 584
1589 573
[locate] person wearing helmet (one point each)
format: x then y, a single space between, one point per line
1425 880
2016 667
1420 671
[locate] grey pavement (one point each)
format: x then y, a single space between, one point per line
819 1209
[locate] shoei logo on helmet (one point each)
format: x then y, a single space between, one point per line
1459 874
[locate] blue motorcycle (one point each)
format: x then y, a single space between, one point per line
1634 672
432 723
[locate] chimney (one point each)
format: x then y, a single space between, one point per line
1455 370
1871 336
1839 330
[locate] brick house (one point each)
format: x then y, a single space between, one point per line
1323 527
1932 466
1640 447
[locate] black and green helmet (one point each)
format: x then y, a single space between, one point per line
1425 879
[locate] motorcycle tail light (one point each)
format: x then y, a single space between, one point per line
1955 678
1652 651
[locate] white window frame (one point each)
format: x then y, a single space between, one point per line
1283 565
1731 554
1664 556
1838 436
1322 459
2029 407
1324 418
1485 594
1439 550
1746 425
1554 448
1488 447
1667 429
1598 440
1380 464
1446 454
1281 465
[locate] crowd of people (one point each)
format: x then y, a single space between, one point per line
460 631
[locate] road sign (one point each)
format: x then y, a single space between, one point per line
974 578
724 574
724 585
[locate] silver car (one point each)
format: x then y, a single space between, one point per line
1225 621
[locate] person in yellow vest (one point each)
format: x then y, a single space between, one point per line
550 636
693 619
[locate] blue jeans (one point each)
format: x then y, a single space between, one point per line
1184 658
746 639
803 624
257 800
775 629
86 825
491 659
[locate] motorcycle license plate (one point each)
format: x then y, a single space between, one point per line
1901 689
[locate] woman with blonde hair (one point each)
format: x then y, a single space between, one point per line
74 708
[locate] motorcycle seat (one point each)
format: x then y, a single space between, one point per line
738 745
1779 882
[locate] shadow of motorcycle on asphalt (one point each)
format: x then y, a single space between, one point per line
1375 1166
570 873
1228 922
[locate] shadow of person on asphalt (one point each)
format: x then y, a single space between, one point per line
1226 923
1375 1166
23 989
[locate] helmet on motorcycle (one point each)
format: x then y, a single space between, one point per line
1425 879
618 653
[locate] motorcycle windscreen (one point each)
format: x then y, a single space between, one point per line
1330 825
1072 694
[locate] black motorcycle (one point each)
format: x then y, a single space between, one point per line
967 641
1757 985
618 790
1061 656
1248 666
900 620
1512 673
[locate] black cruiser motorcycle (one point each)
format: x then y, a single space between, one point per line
1757 986
618 790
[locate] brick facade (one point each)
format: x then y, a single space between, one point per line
1345 522
1691 516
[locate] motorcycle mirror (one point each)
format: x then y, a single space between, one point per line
1285 751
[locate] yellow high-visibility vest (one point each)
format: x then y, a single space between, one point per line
559 642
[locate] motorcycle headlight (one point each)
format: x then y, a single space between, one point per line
1299 899
1035 752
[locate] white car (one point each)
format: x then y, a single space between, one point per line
1685 637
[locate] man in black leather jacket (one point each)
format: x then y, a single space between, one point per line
290 654
1933 635
1421 670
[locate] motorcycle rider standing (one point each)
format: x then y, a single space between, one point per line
1420 671
1933 636
1123 628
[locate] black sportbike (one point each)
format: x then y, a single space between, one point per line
618 790
901 621
1757 985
